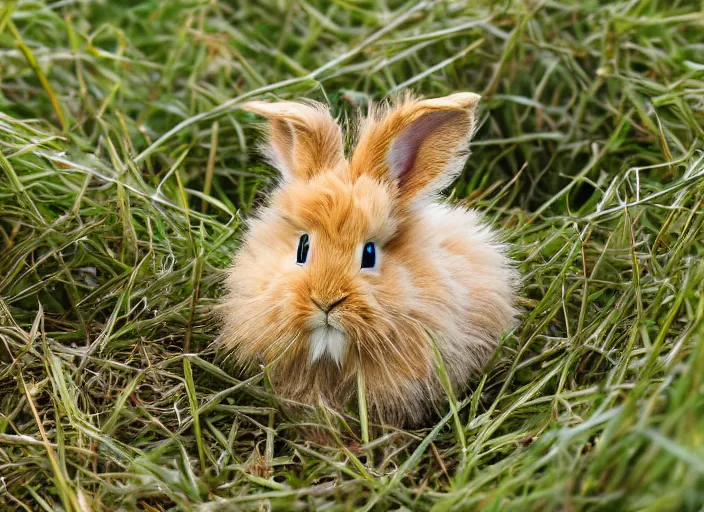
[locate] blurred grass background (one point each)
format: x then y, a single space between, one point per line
126 168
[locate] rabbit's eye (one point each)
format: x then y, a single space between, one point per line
303 246
369 255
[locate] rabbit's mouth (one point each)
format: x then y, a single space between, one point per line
327 341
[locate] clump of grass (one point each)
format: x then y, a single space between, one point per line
125 170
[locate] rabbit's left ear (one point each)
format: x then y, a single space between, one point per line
303 138
420 145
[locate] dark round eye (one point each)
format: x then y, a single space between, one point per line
369 255
303 246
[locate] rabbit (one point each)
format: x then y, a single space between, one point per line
354 265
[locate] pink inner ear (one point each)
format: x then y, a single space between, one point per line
282 147
404 150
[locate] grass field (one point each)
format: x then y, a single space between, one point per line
126 167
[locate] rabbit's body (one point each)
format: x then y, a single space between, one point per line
438 275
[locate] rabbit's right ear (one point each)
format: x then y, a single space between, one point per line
419 145
303 138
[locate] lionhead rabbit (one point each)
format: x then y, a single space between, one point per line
354 266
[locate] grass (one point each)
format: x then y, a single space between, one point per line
126 168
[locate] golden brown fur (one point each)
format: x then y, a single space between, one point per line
441 274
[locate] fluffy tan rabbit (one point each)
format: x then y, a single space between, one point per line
354 265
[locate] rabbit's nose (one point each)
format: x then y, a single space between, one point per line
328 305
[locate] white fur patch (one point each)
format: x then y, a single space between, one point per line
327 340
